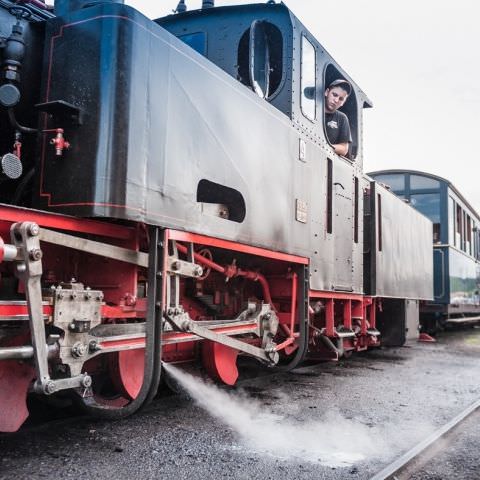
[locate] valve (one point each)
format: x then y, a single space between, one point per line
59 142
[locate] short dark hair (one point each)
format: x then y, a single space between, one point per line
344 84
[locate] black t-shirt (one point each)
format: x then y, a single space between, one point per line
337 127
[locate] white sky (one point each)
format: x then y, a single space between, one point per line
418 61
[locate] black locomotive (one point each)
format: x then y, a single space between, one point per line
170 195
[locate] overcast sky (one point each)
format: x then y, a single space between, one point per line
418 61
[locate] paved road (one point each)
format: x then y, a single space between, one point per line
329 421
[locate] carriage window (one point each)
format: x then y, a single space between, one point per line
451 221
429 205
198 41
419 182
468 235
308 79
458 229
260 58
395 182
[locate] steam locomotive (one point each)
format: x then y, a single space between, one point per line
169 194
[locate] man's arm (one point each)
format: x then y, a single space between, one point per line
341 148
345 136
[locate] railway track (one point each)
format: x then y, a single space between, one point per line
421 453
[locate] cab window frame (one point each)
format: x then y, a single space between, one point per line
308 91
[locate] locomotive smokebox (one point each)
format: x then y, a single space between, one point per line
63 7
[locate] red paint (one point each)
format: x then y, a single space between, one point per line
232 271
235 246
9 311
131 368
293 306
15 379
59 142
64 222
220 362
425 337
336 295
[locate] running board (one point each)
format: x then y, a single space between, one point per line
463 319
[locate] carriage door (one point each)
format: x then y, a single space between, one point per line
342 187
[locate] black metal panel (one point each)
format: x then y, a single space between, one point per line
159 119
28 84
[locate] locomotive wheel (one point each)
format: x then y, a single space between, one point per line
220 362
127 370
15 379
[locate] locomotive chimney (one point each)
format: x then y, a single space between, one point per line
63 7
181 7
208 4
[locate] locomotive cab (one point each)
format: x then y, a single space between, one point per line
267 49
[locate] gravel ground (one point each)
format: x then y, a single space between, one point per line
458 457
343 420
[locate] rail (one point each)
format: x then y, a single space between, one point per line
399 466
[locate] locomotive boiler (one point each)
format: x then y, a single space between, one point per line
169 194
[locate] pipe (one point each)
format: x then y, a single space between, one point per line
232 272
208 4
25 352
201 259
331 346
8 253
16 125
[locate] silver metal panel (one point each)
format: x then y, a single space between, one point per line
412 319
404 264
343 225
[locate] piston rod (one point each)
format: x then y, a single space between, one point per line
24 353
8 253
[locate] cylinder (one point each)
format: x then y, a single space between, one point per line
208 4
62 7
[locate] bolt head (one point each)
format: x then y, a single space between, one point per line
35 254
33 230
50 387
87 381
79 350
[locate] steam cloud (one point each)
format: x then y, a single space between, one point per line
334 441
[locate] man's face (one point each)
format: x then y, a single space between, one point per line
334 98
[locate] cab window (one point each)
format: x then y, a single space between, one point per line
308 80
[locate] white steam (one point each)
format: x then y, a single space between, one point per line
334 441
